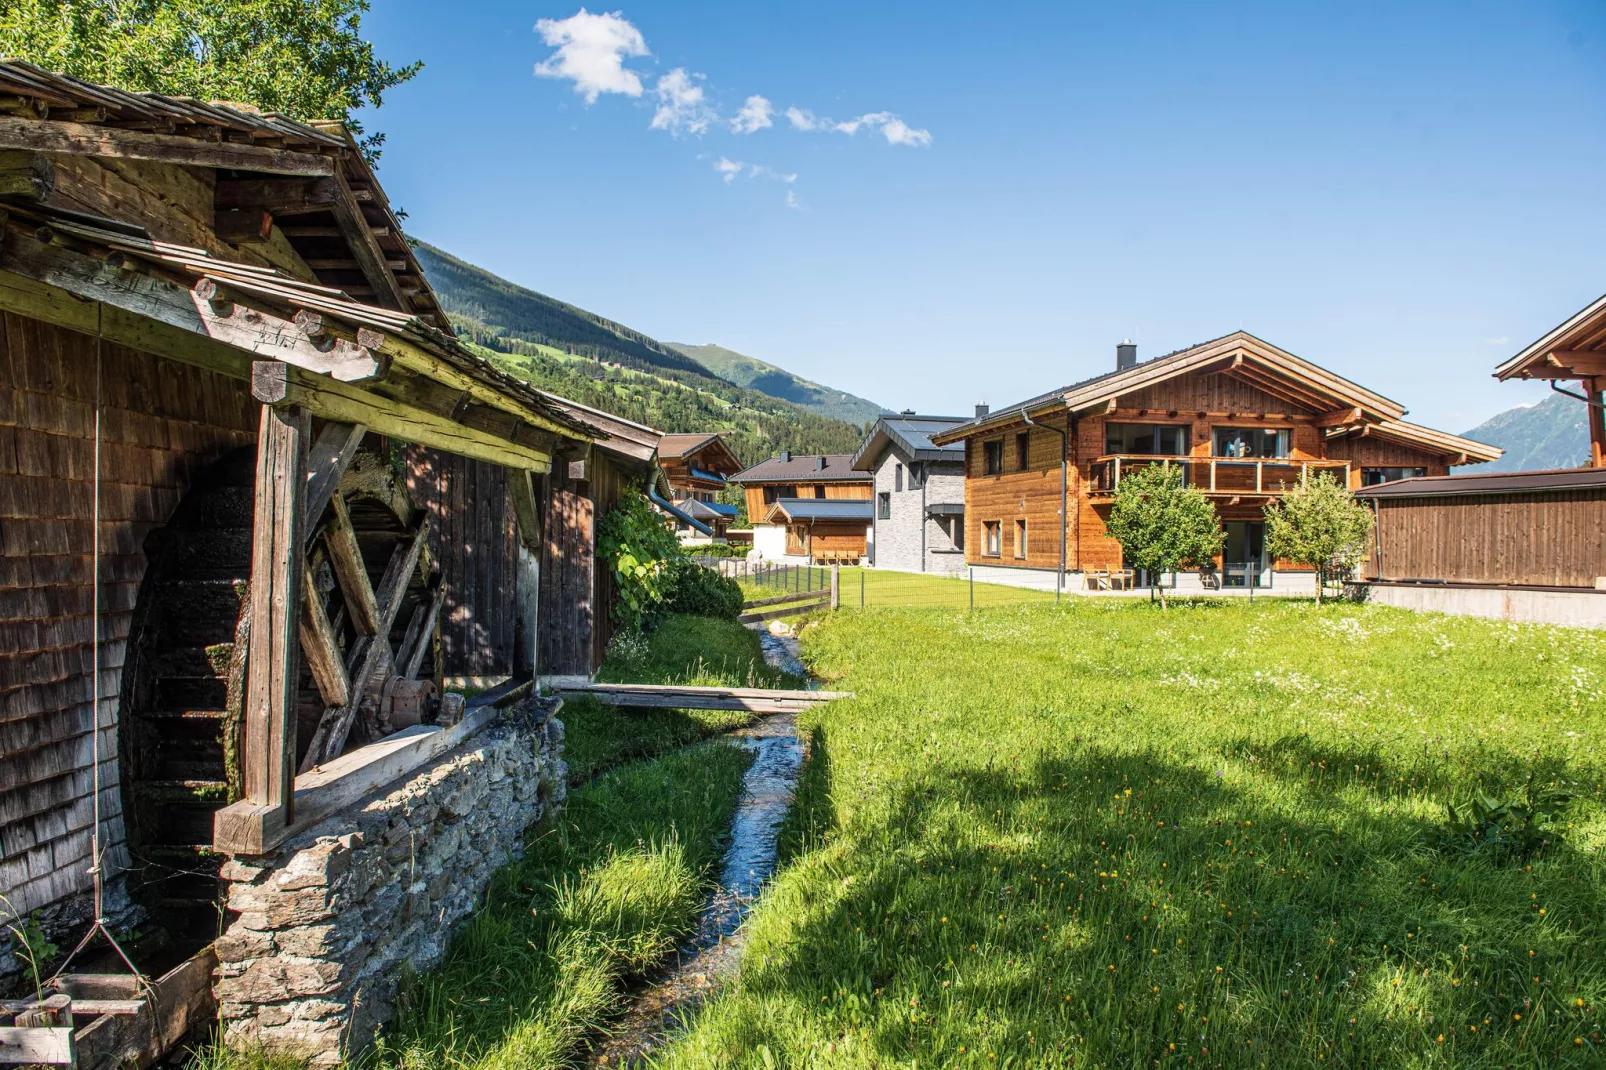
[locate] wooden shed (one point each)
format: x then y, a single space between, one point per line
257 504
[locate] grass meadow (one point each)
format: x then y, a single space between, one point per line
1101 835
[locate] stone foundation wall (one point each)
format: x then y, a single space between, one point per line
320 931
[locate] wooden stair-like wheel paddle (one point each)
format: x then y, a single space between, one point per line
370 643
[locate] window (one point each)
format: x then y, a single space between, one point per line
1371 477
1020 539
771 495
1251 442
796 539
993 456
883 506
992 536
917 476
1023 451
819 490
1162 440
957 531
897 477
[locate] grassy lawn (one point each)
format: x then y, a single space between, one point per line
1099 835
881 587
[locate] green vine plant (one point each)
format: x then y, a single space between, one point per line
32 947
638 545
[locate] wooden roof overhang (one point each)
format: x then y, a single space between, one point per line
298 343
1575 349
307 179
1452 449
710 450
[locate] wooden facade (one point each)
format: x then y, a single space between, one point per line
696 466
829 477
314 505
1538 529
1321 423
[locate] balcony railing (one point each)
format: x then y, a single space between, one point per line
1218 475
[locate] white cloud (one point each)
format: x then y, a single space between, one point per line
591 50
681 107
802 120
758 170
792 202
888 125
754 116
728 169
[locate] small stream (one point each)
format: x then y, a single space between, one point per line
709 956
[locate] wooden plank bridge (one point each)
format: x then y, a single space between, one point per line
686 697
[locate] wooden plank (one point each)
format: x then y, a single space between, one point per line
79 1006
320 647
183 1000
346 780
753 700
350 572
277 195
786 611
201 309
795 596
373 262
694 690
415 646
26 174
335 400
43 1047
526 511
83 139
327 461
277 563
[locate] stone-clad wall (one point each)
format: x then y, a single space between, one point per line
897 539
319 931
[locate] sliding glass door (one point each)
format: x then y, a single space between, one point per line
1245 562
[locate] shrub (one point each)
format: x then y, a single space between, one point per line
689 588
1161 523
637 544
1319 523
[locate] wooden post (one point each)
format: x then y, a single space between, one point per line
836 585
1596 415
277 562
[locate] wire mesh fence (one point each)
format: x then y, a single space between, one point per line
866 587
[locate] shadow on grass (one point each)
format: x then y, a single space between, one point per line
1126 908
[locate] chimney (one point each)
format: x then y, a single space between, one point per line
786 455
982 410
821 464
1126 355
907 412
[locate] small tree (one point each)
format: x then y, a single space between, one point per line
1162 523
1319 523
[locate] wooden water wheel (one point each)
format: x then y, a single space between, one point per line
370 645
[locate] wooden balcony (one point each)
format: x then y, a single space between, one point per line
1226 477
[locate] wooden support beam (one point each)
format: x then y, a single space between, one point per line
277 195
420 633
372 260
26 174
330 738
277 562
243 226
320 647
526 509
1596 415
82 139
334 400
327 461
350 572
1340 417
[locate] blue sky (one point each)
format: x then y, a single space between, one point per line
1404 193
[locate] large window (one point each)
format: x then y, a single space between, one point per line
1251 442
1371 477
1023 451
993 456
773 494
1163 440
1020 539
992 538
883 505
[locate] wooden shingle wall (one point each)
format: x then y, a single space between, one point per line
162 422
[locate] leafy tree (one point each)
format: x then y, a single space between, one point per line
637 543
303 58
1319 523
1161 523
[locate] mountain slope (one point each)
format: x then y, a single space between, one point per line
756 374
1551 434
608 366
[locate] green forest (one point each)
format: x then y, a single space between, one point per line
597 362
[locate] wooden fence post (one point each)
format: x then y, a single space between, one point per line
836 585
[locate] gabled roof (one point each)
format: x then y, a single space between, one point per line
910 435
1469 451
342 227
807 468
1239 354
1552 480
709 449
1576 349
618 435
706 510
807 510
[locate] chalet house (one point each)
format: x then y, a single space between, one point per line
1243 419
698 467
1525 546
258 510
919 519
808 509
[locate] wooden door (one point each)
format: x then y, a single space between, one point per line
565 617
